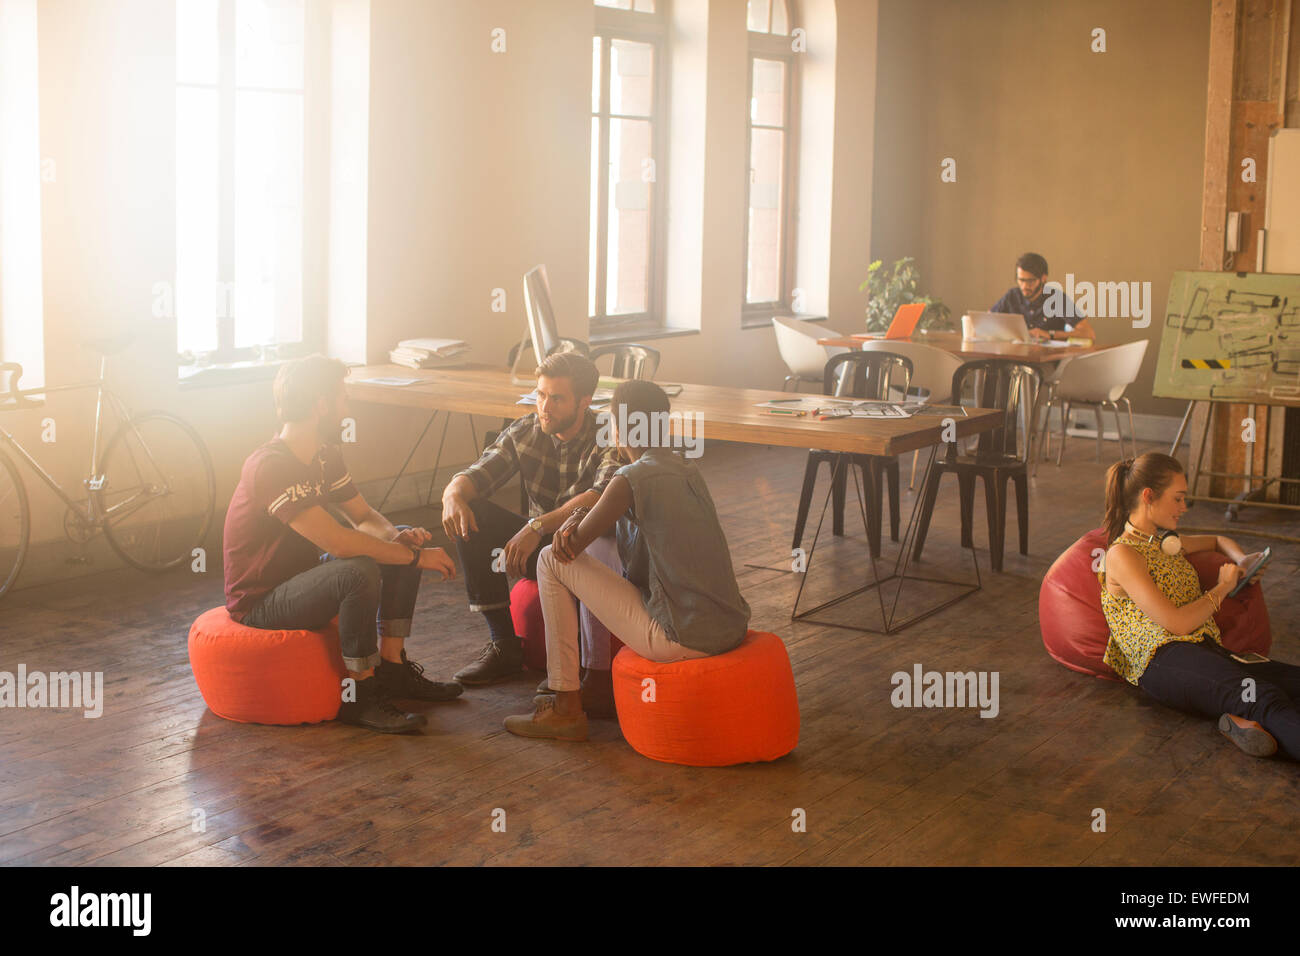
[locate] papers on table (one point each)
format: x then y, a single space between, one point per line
599 401
835 408
805 406
387 381
947 411
428 353
879 410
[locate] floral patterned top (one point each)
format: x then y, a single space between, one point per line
1134 637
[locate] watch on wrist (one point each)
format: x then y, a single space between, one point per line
537 526
415 556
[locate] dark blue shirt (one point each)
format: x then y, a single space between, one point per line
1015 303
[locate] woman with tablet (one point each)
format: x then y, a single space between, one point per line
1163 637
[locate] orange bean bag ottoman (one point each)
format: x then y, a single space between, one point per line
526 614
737 707
266 677
1074 627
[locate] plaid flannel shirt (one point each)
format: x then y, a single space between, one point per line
552 471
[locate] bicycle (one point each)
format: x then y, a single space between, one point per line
152 492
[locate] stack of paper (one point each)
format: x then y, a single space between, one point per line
428 353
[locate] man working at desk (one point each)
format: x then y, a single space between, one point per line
1027 298
555 452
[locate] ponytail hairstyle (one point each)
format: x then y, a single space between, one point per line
1125 482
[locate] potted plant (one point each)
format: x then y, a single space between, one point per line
888 289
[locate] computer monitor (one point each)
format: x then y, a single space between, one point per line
542 333
994 327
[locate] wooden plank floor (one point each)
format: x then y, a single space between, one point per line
879 785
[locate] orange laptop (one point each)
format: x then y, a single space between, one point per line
903 324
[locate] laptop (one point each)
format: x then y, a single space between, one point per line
994 327
902 325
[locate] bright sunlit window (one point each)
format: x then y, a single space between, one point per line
21 175
240 67
768 239
626 163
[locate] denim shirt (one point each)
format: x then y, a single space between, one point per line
674 550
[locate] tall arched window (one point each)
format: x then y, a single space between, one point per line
627 181
769 239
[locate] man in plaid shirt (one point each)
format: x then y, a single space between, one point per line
554 451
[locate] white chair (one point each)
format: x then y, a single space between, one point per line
932 370
1098 379
797 343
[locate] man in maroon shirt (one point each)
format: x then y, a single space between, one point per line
369 576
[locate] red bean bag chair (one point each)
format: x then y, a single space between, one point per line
266 677
526 613
737 707
1075 630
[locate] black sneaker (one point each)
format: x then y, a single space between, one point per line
497 662
373 711
406 681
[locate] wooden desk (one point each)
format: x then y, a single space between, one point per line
728 414
953 343
725 414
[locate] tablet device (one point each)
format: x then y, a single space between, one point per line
1252 571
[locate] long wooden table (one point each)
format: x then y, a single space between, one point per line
724 414
727 414
953 343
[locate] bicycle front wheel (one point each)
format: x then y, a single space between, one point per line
15 523
159 491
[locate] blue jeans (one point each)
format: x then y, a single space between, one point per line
371 600
1202 678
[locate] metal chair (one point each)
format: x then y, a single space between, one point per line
1000 454
629 361
865 375
932 370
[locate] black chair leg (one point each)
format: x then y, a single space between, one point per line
805 499
995 497
871 493
966 497
931 492
1021 478
891 473
839 480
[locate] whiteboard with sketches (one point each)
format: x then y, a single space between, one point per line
1231 336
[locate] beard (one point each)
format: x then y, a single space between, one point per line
558 425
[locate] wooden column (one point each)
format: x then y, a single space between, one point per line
1245 104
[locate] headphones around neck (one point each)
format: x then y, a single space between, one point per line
1170 543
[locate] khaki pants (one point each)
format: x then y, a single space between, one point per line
613 599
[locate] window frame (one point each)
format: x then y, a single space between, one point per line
313 333
650 28
774 46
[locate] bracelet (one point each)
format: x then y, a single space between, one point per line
1213 600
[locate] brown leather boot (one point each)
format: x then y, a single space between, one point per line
545 723
496 662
